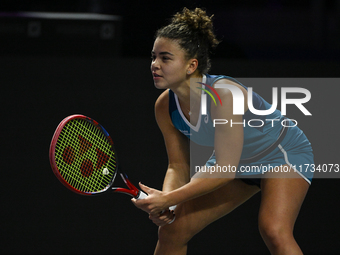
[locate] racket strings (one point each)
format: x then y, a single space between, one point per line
85 157
87 167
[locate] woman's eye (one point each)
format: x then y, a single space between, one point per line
153 58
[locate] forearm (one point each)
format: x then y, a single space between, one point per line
198 186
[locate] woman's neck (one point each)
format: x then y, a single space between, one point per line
188 91
190 97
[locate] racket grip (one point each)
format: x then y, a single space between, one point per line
172 208
141 195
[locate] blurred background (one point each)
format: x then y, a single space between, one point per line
263 29
92 57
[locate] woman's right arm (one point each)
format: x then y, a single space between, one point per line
178 150
177 146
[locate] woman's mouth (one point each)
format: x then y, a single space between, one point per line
156 76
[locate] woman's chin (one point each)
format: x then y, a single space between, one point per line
160 85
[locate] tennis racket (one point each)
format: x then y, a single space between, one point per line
83 158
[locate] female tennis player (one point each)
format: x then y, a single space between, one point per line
180 62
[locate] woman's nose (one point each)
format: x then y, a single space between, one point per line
154 64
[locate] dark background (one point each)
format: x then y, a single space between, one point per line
48 73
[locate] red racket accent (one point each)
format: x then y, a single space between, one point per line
133 191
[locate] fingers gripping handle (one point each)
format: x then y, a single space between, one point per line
142 195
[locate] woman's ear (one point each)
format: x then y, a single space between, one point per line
193 64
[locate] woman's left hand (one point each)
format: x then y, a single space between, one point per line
164 218
154 204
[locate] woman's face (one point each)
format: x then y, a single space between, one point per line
169 65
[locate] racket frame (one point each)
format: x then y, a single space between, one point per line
54 165
132 189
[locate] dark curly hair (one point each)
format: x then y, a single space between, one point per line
194 32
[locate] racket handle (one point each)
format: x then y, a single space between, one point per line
141 195
172 208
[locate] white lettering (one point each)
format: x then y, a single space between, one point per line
297 102
238 100
219 121
262 112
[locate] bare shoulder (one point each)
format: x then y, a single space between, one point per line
162 101
162 110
